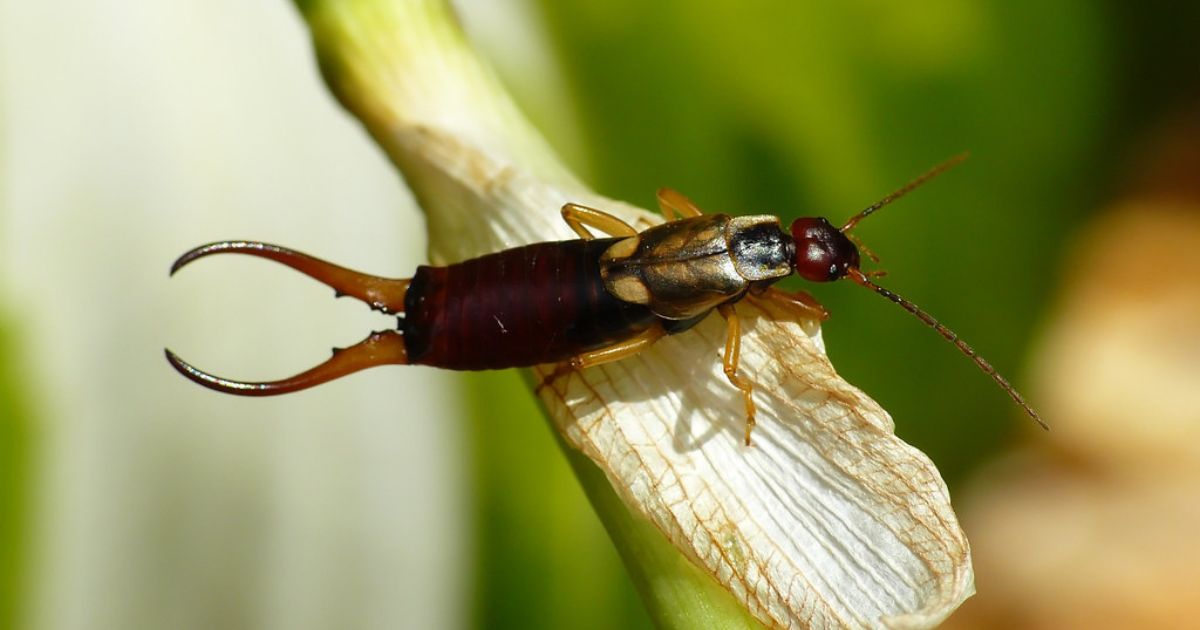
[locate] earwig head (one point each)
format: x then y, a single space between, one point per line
823 252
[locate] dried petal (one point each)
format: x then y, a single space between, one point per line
829 520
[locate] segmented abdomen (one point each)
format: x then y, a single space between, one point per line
535 304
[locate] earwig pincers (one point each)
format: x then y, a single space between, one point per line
588 301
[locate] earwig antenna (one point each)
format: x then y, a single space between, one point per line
904 190
860 278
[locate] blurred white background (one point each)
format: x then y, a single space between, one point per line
130 132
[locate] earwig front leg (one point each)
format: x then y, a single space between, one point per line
674 203
733 350
578 217
800 303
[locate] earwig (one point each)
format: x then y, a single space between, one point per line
589 301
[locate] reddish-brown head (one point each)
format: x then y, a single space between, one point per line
823 252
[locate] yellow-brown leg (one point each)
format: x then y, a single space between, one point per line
674 204
733 350
578 217
800 303
618 351
615 352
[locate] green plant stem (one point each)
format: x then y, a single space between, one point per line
16 443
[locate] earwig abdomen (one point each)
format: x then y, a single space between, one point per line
541 303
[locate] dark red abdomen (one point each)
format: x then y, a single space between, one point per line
540 303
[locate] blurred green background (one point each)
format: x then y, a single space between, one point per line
789 108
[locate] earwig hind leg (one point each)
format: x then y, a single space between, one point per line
733 350
799 303
379 348
618 351
608 354
580 218
382 294
674 203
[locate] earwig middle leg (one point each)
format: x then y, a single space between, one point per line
581 217
674 203
733 350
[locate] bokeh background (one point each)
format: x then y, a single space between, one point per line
1064 250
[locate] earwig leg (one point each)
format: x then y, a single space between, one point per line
380 348
800 303
733 349
673 203
618 351
615 352
382 294
578 217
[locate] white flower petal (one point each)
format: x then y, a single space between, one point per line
829 520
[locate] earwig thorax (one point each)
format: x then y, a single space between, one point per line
761 251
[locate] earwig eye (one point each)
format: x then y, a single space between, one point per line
823 253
